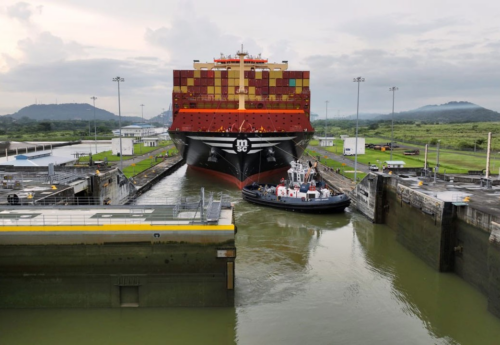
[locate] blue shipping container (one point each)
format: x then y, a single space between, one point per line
291 82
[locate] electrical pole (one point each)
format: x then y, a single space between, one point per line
393 89
93 98
358 80
118 80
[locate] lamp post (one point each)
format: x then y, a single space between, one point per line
393 89
326 119
142 111
93 98
436 169
358 80
118 80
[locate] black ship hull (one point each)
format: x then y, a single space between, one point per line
241 158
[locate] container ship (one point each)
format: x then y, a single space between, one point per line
240 117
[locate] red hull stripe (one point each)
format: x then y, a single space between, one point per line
251 111
235 181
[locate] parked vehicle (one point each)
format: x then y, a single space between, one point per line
373 167
412 152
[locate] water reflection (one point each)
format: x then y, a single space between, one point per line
443 302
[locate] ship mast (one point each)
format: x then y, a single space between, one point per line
241 91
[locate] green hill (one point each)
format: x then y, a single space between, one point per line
67 111
447 113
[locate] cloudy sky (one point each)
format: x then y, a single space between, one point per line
435 51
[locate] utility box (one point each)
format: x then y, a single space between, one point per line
350 146
127 146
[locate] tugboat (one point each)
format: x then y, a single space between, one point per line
300 193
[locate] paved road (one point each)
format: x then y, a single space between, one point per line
340 158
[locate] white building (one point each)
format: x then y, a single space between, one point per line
151 142
39 159
326 141
137 130
395 164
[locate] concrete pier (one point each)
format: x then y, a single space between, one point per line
452 227
118 256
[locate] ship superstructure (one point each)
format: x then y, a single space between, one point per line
241 117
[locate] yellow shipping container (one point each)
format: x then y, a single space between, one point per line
231 97
284 97
230 90
230 82
251 90
305 82
177 89
279 74
272 82
184 89
218 82
298 89
217 74
298 82
258 74
190 82
218 90
253 97
272 97
197 73
210 90
246 82
233 74
218 97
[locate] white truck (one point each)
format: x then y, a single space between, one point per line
127 146
350 146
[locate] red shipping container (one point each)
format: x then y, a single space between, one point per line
251 75
184 81
203 73
197 82
305 88
177 73
258 91
190 73
210 74
204 82
251 82
272 90
279 90
265 74
177 81
265 90
291 90
210 81
225 82
286 74
184 73
223 74
224 90
190 89
305 75
203 90
246 74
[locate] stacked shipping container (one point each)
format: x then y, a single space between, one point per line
215 89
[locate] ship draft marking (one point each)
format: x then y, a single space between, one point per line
244 145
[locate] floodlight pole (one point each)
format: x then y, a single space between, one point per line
358 80
142 111
118 80
326 119
436 169
393 89
93 98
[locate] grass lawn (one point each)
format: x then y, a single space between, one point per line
137 168
138 150
345 170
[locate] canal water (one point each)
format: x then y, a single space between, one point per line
300 279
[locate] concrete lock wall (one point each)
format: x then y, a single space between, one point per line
116 275
460 239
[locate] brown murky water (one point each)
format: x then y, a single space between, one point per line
301 279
